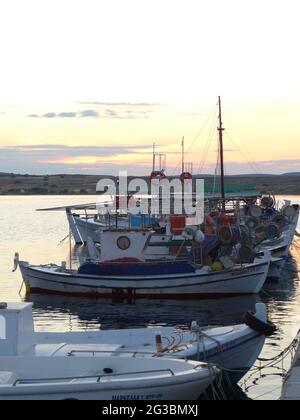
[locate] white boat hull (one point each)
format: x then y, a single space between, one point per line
232 349
248 279
67 379
186 391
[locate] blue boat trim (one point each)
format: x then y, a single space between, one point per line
230 346
136 269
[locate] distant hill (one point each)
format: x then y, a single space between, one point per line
13 184
291 174
235 175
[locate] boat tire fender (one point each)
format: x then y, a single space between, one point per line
265 328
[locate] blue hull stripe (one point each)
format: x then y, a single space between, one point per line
232 347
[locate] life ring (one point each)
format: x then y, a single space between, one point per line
265 328
157 175
186 176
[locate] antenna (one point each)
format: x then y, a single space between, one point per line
153 158
221 129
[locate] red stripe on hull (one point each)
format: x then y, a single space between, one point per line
134 296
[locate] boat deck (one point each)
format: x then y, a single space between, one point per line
134 342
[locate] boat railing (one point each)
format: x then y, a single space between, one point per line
134 354
97 378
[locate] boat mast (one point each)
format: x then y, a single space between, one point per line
153 158
221 129
182 158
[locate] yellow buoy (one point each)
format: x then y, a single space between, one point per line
27 287
217 266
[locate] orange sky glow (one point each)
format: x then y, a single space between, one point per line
87 87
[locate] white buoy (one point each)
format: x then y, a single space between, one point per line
199 236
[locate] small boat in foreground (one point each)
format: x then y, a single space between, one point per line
233 349
103 378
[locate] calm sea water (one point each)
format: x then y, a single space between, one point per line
36 236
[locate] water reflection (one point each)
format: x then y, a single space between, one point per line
107 313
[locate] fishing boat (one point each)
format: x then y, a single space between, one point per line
274 234
265 227
155 279
234 349
280 247
133 263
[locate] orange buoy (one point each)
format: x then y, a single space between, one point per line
157 175
186 176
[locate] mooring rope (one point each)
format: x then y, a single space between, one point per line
64 239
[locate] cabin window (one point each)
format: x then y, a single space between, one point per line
2 328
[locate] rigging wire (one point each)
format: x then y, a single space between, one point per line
258 169
246 155
242 154
196 138
208 145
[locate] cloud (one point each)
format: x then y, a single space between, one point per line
126 114
123 110
60 158
53 152
53 159
110 113
89 113
50 115
94 113
120 104
67 115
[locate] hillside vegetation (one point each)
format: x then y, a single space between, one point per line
12 184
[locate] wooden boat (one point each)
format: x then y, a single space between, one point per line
134 279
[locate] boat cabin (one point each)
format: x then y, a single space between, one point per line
16 328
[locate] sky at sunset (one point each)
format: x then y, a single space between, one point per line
88 86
